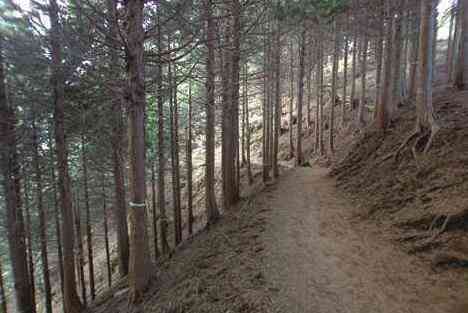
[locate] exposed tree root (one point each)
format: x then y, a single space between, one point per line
433 223
419 134
434 130
398 151
440 231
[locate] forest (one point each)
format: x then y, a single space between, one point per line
233 156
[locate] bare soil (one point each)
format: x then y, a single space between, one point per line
321 258
297 246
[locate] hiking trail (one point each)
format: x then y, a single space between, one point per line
321 258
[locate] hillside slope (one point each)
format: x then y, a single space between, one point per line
424 195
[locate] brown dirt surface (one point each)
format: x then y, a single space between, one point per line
322 259
295 247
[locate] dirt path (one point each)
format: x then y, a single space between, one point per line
320 260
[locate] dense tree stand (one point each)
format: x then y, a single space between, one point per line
136 137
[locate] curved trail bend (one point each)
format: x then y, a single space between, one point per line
321 260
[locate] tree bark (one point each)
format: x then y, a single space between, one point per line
247 122
309 97
414 53
3 299
235 83
89 235
58 233
456 41
42 216
173 106
331 138
424 108
80 252
154 211
300 96
396 96
462 76
72 303
161 148
345 78
210 197
265 105
383 105
189 164
227 131
354 70
118 142
277 123
318 88
106 231
29 242
140 263
363 102
379 59
450 44
291 100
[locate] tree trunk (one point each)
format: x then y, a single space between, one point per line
29 242
456 40
173 105
424 108
318 87
300 96
140 263
118 142
345 79
363 102
396 96
277 123
227 132
265 104
42 217
379 59
414 54
353 73
58 233
106 231
89 236
434 37
334 89
247 123
462 75
177 162
235 74
161 148
243 156
72 303
120 206
210 197
154 211
80 252
383 105
177 157
189 164
450 44
3 299
309 92
404 58
291 100
321 145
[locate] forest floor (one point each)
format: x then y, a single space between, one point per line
322 258
297 246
